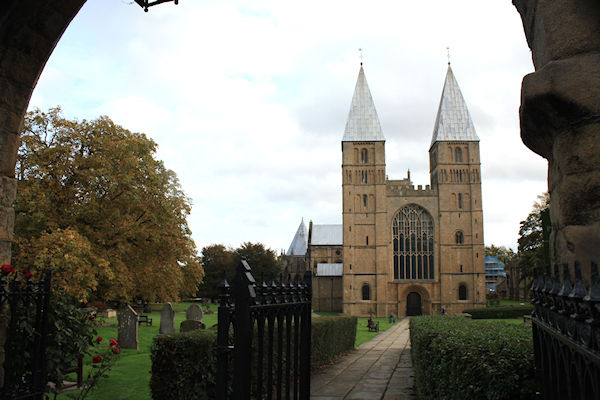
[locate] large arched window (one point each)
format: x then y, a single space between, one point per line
462 291
366 292
412 236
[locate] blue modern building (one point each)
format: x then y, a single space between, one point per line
494 272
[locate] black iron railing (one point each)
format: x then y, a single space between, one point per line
264 338
28 305
566 333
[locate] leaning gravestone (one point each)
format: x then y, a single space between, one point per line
191 325
128 328
167 319
194 312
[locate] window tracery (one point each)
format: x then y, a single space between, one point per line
412 235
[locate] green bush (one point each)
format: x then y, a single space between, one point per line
184 366
457 358
500 312
331 336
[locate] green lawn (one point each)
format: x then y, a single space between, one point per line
130 376
504 302
362 332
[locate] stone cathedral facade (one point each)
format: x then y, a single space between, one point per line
402 250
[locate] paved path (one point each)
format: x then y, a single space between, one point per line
379 369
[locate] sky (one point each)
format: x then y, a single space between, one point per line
248 100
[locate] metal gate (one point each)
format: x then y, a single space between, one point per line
28 305
264 331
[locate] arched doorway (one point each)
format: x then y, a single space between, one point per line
413 304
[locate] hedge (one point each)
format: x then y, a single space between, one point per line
458 358
331 337
184 364
500 312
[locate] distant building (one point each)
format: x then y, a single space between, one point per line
403 250
494 272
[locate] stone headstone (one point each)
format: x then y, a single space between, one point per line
167 319
194 312
128 328
191 325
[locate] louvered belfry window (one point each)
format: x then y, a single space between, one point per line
412 237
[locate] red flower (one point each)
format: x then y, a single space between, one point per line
113 342
7 269
27 273
98 339
97 359
115 350
92 316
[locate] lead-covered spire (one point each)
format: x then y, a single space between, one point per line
453 120
363 122
300 241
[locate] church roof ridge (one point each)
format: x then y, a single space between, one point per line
300 241
362 123
453 121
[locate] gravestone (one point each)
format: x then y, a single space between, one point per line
167 319
194 312
191 325
128 328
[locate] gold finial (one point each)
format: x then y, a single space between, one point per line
448 53
360 50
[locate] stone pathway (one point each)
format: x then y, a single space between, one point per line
379 369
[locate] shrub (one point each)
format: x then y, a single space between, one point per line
331 336
500 312
184 366
457 358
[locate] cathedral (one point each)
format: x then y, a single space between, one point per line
400 250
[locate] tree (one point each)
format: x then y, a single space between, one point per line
533 238
216 260
95 205
505 255
261 259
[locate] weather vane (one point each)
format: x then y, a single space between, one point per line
361 55
448 53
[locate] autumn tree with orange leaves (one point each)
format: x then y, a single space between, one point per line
96 206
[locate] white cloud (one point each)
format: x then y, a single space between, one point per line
248 99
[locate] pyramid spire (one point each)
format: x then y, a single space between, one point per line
363 122
453 120
300 242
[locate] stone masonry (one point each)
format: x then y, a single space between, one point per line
560 119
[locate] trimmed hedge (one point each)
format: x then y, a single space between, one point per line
184 366
331 337
500 312
457 358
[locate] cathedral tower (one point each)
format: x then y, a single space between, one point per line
455 173
364 204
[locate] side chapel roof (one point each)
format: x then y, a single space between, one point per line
300 241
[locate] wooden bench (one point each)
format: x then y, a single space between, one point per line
373 326
143 319
78 370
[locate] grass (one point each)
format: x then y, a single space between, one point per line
362 332
130 377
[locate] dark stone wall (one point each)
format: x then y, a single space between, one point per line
560 118
29 31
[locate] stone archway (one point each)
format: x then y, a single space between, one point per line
419 298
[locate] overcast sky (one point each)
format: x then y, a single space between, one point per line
248 100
